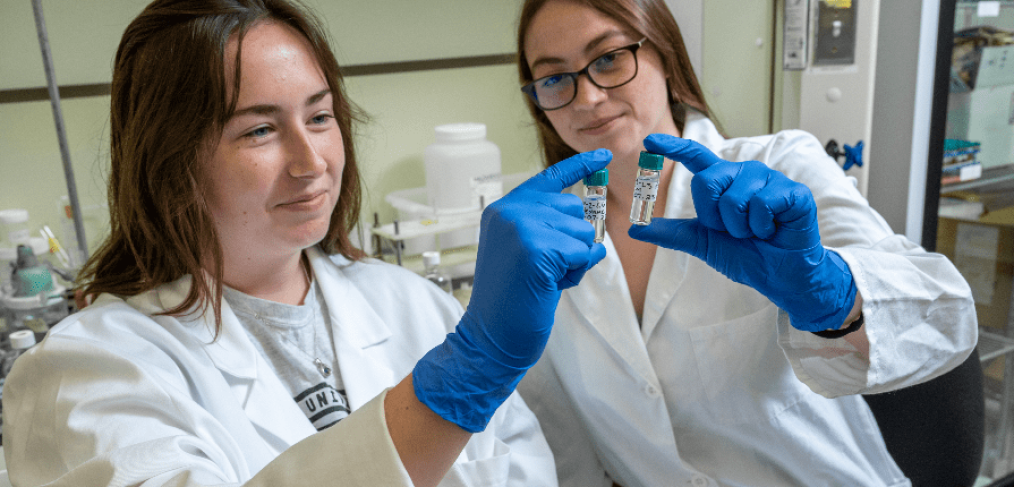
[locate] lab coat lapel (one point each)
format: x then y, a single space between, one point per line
617 325
670 267
255 386
357 330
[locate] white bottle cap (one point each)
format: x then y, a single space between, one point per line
431 258
22 339
460 131
13 216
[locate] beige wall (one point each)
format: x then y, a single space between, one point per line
404 107
737 63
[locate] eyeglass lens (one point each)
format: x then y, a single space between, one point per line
608 71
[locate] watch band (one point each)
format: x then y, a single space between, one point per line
829 334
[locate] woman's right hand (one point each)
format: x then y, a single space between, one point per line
533 243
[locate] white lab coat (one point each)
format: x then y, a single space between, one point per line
714 387
116 396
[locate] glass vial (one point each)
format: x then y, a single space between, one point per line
595 202
649 170
431 264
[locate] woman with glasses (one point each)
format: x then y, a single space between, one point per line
237 337
726 342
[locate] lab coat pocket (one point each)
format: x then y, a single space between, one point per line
488 471
743 371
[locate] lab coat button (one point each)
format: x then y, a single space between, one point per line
650 390
699 481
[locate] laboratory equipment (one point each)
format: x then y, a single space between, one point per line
32 300
28 277
411 205
463 174
15 227
595 202
649 171
433 272
20 341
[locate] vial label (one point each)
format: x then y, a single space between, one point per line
594 208
646 188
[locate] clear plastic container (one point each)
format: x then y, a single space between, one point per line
412 205
36 313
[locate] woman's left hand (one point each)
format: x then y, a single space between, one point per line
759 228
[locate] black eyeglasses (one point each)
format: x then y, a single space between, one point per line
610 70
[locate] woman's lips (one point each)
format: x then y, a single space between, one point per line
306 202
599 126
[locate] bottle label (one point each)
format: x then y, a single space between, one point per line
646 188
594 208
486 189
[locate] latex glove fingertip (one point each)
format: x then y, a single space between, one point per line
663 143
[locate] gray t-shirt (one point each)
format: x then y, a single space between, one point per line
297 343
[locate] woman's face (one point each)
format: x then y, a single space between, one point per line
564 37
275 174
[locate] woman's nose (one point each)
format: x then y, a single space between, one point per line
588 93
305 160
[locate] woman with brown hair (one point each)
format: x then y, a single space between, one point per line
727 341
236 336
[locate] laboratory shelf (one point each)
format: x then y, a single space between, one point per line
449 258
993 179
405 230
992 345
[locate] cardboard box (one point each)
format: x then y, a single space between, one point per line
983 251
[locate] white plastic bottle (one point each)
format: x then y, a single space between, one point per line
21 341
462 167
431 264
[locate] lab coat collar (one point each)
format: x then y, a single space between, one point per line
357 328
617 325
264 399
670 267
232 352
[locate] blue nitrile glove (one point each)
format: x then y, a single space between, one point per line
533 243
759 228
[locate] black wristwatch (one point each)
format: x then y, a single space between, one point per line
844 331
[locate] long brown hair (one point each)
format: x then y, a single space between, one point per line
648 18
168 102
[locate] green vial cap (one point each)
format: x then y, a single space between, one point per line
650 161
599 178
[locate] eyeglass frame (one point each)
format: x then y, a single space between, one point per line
529 88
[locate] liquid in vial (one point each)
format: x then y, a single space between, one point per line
649 172
595 202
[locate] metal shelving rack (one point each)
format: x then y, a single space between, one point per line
61 132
